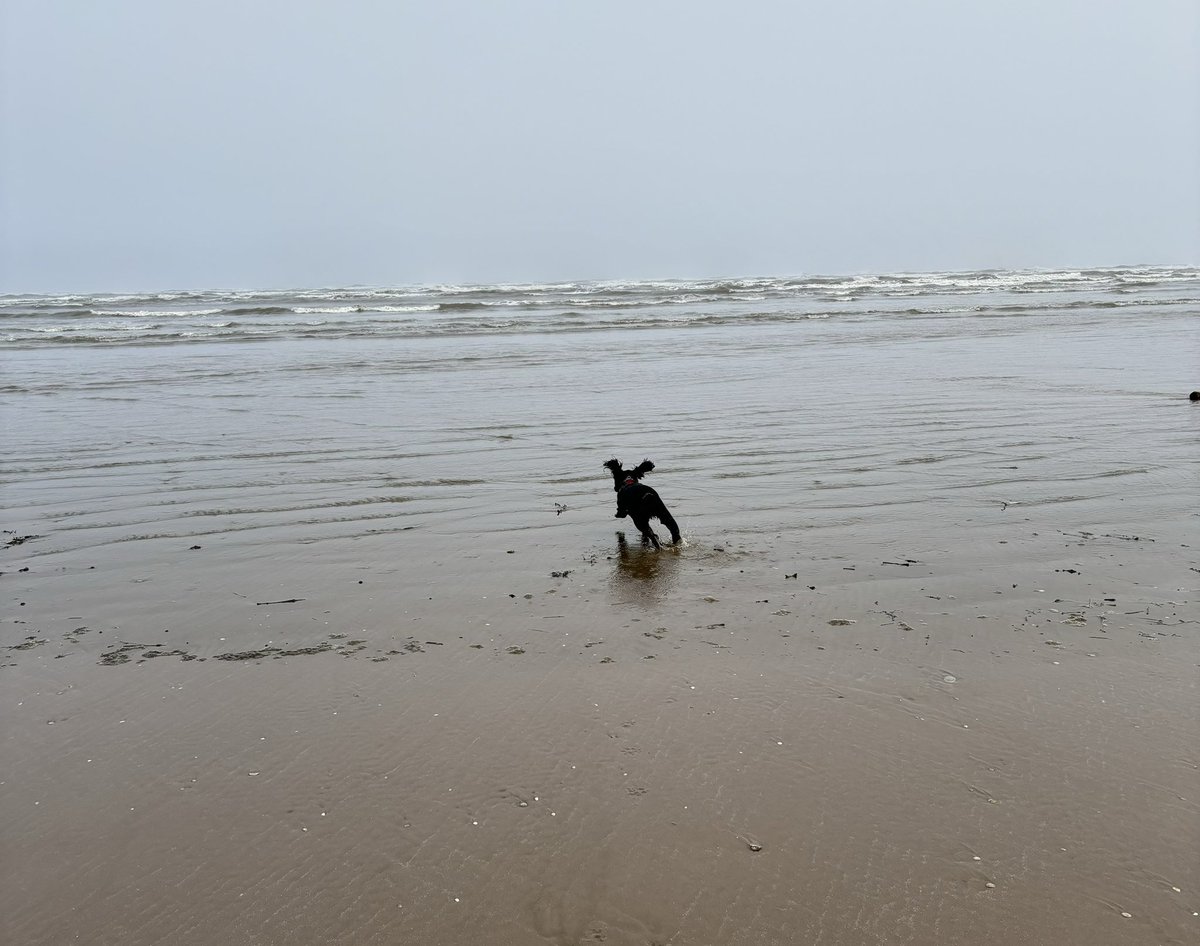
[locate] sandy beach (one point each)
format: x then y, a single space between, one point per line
304 645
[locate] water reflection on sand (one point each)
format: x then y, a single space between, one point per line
641 573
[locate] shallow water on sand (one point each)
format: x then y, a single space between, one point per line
819 424
326 637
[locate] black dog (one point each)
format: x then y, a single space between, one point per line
640 502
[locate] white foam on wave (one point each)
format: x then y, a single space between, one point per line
156 313
37 320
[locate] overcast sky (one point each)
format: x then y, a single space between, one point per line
149 144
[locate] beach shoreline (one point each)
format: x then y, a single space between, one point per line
323 639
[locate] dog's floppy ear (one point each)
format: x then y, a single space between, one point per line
642 469
614 466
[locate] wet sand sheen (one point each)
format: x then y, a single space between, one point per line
763 762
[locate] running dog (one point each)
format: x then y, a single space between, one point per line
639 502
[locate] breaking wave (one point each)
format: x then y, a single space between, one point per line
33 321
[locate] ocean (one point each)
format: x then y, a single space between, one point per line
165 318
768 404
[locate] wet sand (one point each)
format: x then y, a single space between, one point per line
740 742
333 642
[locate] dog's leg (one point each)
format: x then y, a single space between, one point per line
643 523
622 508
669 521
665 517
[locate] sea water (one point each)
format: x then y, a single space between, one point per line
769 404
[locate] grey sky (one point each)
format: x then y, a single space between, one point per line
281 143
